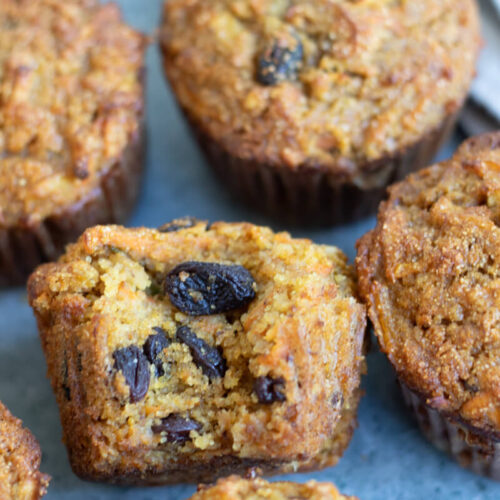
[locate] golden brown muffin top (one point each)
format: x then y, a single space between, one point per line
356 80
70 101
284 367
430 272
20 457
237 488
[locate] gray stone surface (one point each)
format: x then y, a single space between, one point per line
388 458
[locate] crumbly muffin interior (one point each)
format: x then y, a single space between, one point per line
244 382
70 101
236 488
430 273
293 82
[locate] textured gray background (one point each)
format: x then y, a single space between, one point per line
387 459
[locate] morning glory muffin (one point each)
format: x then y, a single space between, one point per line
20 478
237 488
429 274
308 109
71 138
187 354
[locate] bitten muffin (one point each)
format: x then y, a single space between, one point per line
71 138
20 458
198 351
429 273
237 488
308 109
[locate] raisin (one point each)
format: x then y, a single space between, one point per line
64 385
268 390
134 365
206 357
176 428
280 61
67 392
200 288
178 224
154 346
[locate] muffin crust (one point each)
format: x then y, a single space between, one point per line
20 458
70 102
278 388
429 273
374 77
237 488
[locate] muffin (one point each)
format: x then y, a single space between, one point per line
309 109
193 353
429 274
237 488
71 134
20 458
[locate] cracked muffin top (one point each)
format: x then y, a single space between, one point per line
430 273
19 461
70 101
330 82
237 488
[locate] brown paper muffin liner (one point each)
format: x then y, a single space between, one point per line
471 450
22 248
314 195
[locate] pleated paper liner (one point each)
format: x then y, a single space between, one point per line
317 196
471 450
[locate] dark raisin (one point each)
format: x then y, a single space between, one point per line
280 61
199 288
176 428
134 365
178 224
153 347
206 357
67 392
268 390
65 382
